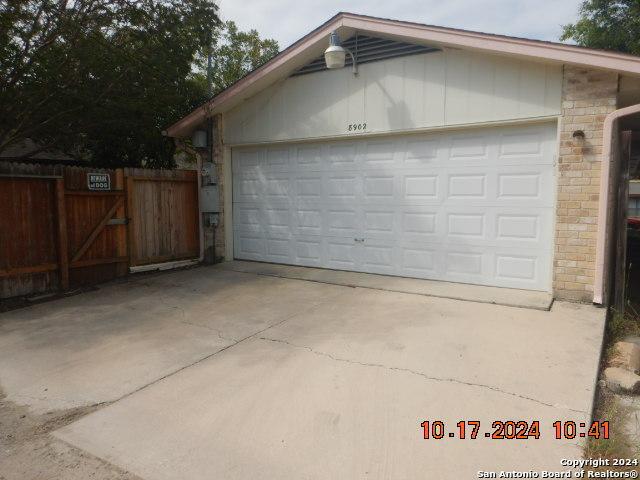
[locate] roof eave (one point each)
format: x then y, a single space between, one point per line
196 117
542 50
441 36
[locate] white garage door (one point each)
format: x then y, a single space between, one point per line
474 206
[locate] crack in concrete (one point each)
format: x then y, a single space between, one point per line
219 332
420 374
184 321
231 345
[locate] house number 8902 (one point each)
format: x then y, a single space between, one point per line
354 127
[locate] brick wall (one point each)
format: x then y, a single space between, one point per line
218 160
587 97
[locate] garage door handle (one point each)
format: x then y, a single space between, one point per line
359 240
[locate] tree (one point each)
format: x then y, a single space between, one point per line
236 53
100 78
608 24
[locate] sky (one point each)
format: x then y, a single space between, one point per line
288 20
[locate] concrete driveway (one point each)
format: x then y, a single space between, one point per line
211 373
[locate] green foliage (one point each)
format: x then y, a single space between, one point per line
100 78
235 54
608 24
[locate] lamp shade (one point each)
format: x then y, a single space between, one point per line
335 56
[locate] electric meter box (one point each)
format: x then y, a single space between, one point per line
209 200
208 174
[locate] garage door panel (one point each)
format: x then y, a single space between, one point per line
342 254
277 217
309 157
276 185
380 222
473 207
420 226
520 267
307 251
379 154
499 266
277 232
524 143
308 221
463 265
516 270
248 161
422 153
278 250
247 188
249 246
469 147
277 159
308 187
248 217
379 258
380 187
496 185
343 155
467 226
518 226
526 146
526 187
420 261
343 187
529 229
342 222
467 186
420 187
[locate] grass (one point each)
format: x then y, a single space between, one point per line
619 444
623 324
608 405
619 327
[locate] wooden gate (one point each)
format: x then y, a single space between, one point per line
92 224
56 233
163 215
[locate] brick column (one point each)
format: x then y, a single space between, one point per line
218 160
587 97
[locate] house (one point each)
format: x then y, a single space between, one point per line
22 152
450 155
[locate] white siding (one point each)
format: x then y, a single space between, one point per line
428 90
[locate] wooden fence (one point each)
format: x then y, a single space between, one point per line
57 233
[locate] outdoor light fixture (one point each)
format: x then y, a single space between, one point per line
579 138
199 139
336 54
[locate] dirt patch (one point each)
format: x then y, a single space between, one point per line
28 451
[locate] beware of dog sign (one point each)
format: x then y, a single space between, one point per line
99 181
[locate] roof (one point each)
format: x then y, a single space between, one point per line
21 150
313 44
